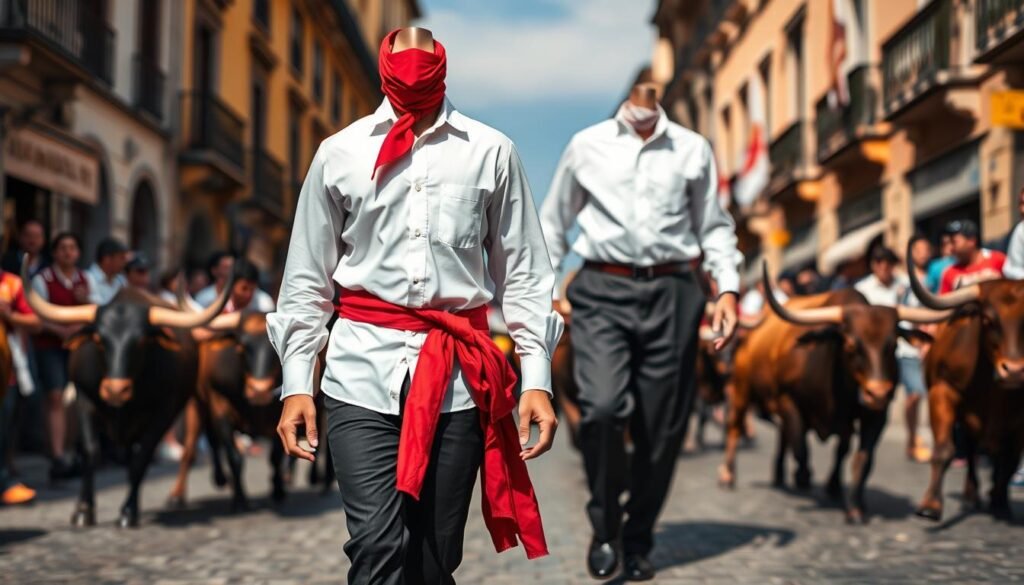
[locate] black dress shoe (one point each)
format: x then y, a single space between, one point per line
637 568
602 559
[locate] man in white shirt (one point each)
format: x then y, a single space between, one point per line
419 213
884 288
221 266
106 276
1014 267
644 192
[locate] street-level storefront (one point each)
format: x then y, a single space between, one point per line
945 189
42 166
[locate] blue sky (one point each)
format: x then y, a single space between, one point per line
540 70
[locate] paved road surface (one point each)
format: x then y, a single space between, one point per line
753 535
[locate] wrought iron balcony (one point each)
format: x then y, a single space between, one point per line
214 129
839 126
149 87
915 58
786 154
268 183
997 22
65 28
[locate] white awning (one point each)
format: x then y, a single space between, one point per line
850 247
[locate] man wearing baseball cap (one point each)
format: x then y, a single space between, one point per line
972 263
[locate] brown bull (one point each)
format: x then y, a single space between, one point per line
824 363
975 377
238 375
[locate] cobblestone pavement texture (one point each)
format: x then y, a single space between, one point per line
754 534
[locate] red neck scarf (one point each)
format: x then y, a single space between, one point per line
413 81
510 507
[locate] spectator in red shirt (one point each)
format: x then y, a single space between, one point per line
17 317
973 263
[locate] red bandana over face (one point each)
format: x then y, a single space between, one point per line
413 81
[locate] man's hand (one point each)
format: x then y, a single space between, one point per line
535 407
298 410
723 322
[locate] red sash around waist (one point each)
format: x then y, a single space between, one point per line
509 503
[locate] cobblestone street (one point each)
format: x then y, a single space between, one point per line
753 535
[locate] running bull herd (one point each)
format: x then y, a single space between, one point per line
824 364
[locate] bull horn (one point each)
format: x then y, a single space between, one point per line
226 322
164 317
953 300
921 315
807 317
59 314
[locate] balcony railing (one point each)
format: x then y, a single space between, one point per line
268 183
840 125
786 153
214 127
68 28
149 87
913 58
996 21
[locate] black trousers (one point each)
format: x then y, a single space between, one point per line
396 540
635 346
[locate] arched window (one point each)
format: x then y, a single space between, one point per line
144 233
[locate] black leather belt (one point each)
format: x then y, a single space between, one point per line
640 272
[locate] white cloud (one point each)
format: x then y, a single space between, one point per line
595 49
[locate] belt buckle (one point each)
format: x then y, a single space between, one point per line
643 272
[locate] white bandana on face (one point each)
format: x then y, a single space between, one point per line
640 118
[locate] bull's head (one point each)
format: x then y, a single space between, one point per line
262 368
868 334
123 331
1000 306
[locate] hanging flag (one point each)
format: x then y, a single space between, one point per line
754 174
839 93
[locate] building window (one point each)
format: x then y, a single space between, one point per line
298 43
295 147
336 96
766 86
261 13
318 72
795 67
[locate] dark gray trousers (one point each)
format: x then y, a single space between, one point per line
395 540
635 346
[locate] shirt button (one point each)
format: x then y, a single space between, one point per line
419 187
418 233
394 396
416 280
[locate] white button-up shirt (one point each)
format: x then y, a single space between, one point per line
103 289
449 226
641 202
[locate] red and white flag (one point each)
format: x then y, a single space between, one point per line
839 94
754 174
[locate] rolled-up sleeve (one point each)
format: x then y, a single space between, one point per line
520 267
714 227
298 328
558 212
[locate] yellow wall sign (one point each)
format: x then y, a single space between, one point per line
1008 109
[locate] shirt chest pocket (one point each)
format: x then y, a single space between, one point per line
459 216
668 189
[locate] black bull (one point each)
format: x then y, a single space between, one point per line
133 364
